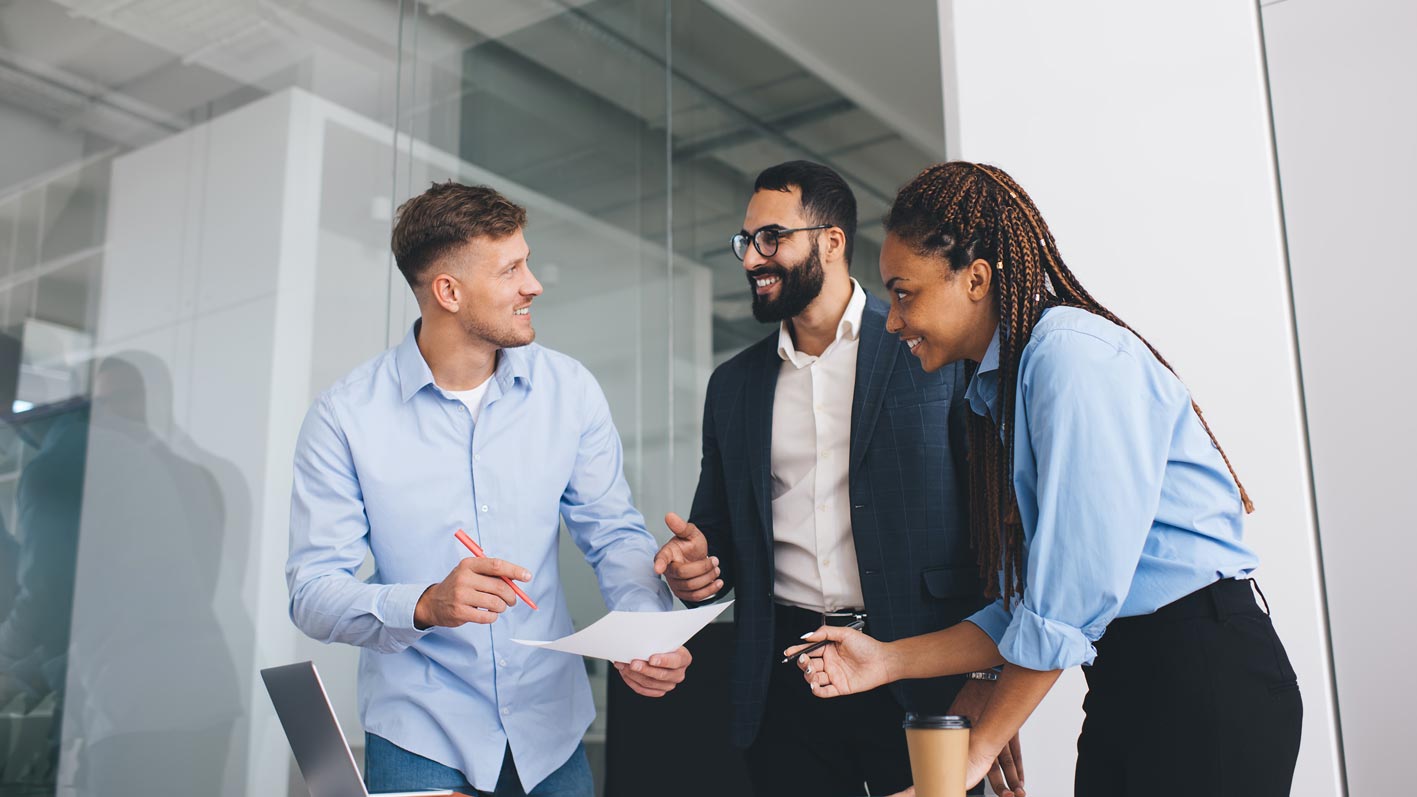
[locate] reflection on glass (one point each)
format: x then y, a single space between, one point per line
151 676
46 447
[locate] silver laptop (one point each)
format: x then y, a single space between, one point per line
315 736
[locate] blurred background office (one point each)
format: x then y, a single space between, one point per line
195 200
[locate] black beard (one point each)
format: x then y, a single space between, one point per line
798 287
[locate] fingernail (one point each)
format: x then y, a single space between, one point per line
654 662
618 665
802 659
714 559
637 666
809 633
526 575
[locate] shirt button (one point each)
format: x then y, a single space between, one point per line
826 455
821 507
484 507
826 563
820 408
506 710
476 458
501 662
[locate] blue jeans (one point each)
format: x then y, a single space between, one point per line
390 768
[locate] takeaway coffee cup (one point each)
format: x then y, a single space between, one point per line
939 753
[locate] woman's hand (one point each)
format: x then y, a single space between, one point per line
854 663
983 757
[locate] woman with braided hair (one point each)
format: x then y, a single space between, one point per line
1102 501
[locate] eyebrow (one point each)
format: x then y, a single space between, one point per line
517 260
891 283
773 226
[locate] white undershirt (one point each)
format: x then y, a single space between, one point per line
472 398
813 549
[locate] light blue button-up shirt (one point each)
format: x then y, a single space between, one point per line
1126 505
388 462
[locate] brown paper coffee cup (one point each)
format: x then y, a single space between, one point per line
939 753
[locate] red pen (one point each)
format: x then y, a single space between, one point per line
480 554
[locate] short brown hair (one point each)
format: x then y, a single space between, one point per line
447 215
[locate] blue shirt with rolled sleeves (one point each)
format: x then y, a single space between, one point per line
1125 502
389 463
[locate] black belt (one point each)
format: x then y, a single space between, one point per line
793 617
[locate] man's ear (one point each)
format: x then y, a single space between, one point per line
836 242
445 291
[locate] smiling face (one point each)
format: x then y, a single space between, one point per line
488 285
942 315
789 280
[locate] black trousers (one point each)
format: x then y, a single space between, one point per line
1196 699
847 746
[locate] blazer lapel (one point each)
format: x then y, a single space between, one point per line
758 405
875 357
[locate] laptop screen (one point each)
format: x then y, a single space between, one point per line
314 733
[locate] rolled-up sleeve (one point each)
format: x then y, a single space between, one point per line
329 540
1096 431
993 620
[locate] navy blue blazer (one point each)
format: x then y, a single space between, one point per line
908 493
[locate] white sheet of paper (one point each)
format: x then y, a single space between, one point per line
626 636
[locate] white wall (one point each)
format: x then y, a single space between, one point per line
1142 130
1343 78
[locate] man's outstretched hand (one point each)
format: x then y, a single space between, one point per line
684 562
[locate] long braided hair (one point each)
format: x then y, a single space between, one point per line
961 212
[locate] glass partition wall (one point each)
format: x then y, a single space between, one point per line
195 202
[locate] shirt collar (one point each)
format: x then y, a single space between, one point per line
414 373
983 392
849 328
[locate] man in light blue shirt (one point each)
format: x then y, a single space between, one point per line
467 425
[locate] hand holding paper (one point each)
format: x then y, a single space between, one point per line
627 636
658 676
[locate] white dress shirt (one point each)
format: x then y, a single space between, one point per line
813 549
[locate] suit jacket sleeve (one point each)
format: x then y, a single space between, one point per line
710 509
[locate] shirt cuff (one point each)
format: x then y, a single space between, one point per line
992 620
396 609
1038 643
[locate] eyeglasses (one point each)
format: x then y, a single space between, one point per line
766 239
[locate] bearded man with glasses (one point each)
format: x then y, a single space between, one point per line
831 492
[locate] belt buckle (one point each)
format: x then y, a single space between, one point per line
843 617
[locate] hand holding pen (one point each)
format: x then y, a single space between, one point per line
816 646
841 661
477 551
477 590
